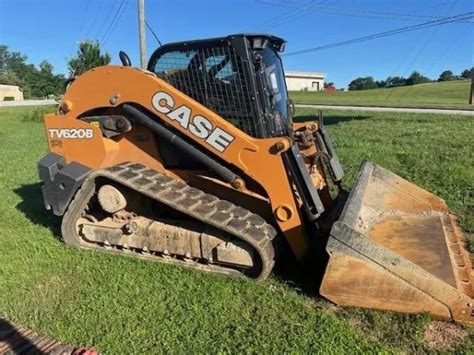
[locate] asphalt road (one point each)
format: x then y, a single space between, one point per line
390 109
325 107
28 103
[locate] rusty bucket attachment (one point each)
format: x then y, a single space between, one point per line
396 247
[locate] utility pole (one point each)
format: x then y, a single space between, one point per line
141 32
471 97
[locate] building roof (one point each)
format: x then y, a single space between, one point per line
9 88
304 74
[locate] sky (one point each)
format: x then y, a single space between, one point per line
52 29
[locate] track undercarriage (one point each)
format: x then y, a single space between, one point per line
133 210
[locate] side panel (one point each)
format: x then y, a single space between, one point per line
83 142
112 86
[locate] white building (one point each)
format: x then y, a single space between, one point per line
304 81
10 93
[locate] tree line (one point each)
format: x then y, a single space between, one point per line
367 83
41 82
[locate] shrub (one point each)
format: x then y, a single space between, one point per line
37 114
366 83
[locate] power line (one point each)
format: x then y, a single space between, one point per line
415 44
285 16
323 8
303 12
333 10
112 13
433 31
292 15
386 94
113 17
153 33
84 19
443 21
120 12
277 18
96 16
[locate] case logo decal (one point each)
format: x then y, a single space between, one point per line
70 133
198 125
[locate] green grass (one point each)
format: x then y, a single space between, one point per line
123 305
452 94
433 151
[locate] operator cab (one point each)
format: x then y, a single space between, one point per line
240 77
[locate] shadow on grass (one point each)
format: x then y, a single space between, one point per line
306 275
32 206
14 341
329 119
289 270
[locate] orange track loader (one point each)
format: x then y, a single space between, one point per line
196 161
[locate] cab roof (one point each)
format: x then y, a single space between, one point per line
276 41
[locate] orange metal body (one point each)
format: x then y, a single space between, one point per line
258 160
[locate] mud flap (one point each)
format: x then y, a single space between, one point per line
396 247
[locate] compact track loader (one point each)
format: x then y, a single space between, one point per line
197 162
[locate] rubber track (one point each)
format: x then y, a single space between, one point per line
209 209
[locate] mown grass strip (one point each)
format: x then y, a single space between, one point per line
451 94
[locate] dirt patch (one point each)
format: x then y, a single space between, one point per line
442 335
320 303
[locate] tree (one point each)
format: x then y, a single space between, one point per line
11 61
3 58
416 78
10 79
366 83
14 70
46 67
393 81
46 83
381 83
88 56
447 75
466 74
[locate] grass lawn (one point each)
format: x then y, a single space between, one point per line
451 94
123 305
